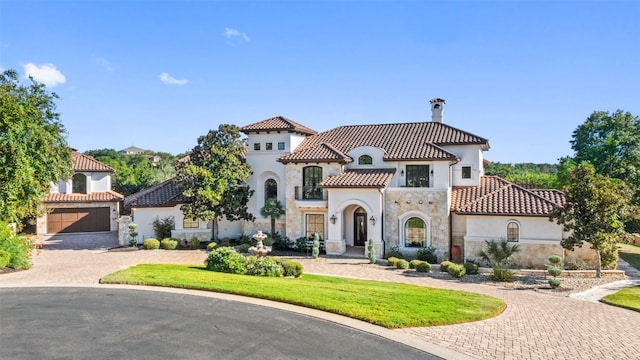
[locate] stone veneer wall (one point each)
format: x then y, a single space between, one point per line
402 200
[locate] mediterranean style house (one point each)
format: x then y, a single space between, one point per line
84 203
402 185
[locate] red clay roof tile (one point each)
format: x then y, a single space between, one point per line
83 162
106 196
278 123
360 178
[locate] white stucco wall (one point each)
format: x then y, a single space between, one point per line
470 155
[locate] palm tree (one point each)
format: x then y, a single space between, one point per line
272 209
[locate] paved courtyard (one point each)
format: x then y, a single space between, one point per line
534 325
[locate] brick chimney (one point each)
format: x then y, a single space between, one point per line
437 109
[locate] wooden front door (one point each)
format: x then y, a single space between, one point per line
360 227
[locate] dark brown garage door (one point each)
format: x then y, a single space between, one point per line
78 220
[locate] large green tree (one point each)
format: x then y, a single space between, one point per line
33 148
611 143
214 178
595 211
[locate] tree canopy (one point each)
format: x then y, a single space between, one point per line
595 211
33 148
540 176
611 143
214 178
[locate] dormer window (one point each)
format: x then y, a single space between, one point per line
365 160
79 183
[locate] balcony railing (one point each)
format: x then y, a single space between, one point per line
310 193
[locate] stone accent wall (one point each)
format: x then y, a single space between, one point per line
204 235
399 202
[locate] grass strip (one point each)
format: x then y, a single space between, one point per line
388 304
630 254
628 298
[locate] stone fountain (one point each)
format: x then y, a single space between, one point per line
259 250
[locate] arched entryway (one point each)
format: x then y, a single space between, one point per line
359 227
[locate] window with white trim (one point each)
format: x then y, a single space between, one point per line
415 232
466 172
315 224
79 183
365 160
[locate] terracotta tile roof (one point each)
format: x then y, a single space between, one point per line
107 196
82 162
278 123
317 153
496 196
166 193
555 196
360 178
401 141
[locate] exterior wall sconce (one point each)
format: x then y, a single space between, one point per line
432 172
372 220
420 202
333 219
401 172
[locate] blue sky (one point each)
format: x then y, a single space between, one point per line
158 74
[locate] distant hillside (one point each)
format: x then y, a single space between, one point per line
528 175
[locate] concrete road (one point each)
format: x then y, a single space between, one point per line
105 324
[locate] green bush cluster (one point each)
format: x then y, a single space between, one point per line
456 270
225 259
211 245
402 264
427 254
151 244
554 270
244 248
290 268
444 266
4 259
391 261
194 243
394 251
162 227
414 263
471 267
501 273
423 267
18 247
169 244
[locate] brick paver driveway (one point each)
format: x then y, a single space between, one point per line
534 325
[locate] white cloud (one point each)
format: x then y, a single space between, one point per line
105 64
233 33
170 80
46 74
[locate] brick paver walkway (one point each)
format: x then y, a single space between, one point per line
534 325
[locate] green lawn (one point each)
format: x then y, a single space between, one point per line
628 298
630 254
392 305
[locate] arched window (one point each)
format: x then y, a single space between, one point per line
365 160
415 233
513 231
270 190
311 178
79 184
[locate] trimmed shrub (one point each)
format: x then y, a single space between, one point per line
226 259
554 283
414 263
301 244
169 244
456 270
555 260
162 227
211 245
444 266
244 248
471 268
394 251
291 268
151 244
194 243
554 271
371 252
501 273
18 247
402 264
427 254
423 267
268 241
316 246
4 258
263 266
392 261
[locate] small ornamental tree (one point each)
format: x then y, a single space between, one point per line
594 213
316 246
272 209
371 251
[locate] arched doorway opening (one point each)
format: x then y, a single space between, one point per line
359 227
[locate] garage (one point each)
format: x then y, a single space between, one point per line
70 220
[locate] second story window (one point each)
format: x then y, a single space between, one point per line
79 184
281 146
466 172
268 146
417 176
256 146
270 190
311 178
365 160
